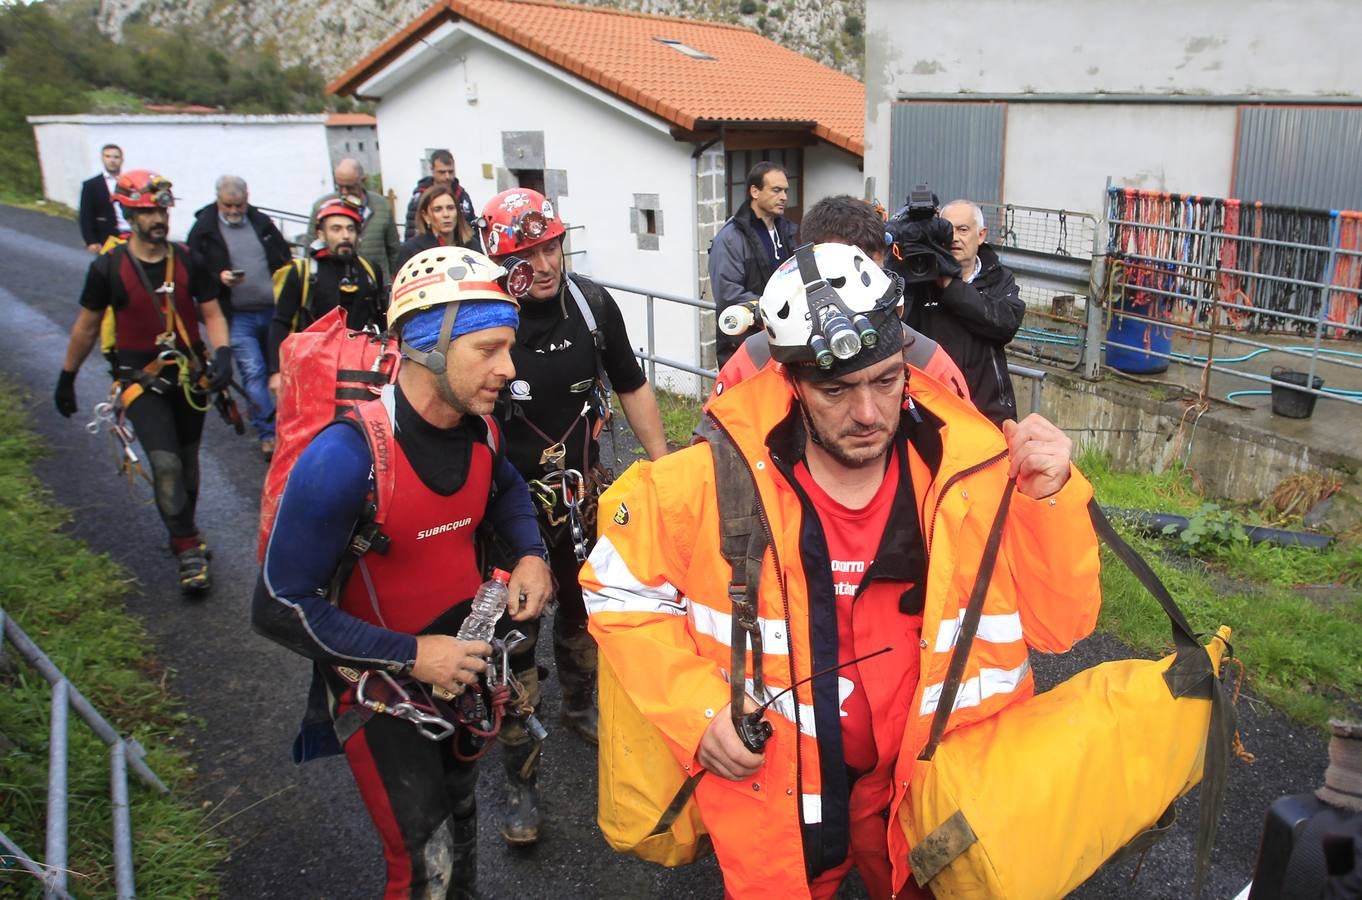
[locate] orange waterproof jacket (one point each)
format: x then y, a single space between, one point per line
656 587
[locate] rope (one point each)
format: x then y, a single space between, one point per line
1239 749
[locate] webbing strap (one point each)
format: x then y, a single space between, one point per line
1190 675
743 541
951 686
683 795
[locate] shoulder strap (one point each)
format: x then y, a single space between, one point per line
374 420
369 268
743 541
582 304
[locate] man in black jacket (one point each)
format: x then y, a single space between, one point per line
331 275
441 172
236 250
100 219
976 315
748 248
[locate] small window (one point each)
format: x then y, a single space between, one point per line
529 178
347 146
649 221
684 48
361 146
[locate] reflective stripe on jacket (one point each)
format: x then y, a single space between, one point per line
656 589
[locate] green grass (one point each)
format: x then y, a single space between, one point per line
1300 647
680 415
70 601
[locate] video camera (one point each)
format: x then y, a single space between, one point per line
920 240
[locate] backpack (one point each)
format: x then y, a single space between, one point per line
307 277
325 371
645 803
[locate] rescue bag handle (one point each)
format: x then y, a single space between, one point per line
1190 675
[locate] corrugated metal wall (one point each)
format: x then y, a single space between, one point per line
957 148
1300 156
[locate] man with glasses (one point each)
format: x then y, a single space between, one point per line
378 240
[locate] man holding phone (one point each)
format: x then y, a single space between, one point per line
237 248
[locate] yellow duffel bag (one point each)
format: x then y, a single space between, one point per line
1027 804
646 804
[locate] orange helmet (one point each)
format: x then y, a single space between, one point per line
340 207
143 189
516 220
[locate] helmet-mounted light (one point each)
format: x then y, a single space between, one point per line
518 278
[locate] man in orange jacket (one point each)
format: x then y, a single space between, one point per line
877 488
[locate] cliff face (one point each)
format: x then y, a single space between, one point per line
331 35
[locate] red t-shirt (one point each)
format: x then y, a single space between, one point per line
853 535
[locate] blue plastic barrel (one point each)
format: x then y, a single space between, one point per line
1137 333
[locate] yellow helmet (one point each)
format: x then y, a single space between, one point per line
444 275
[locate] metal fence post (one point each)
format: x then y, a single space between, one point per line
1335 232
122 821
1097 298
652 344
54 882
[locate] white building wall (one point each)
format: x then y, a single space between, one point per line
607 154
829 171
1209 47
284 159
1059 155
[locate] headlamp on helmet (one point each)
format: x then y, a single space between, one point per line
827 305
141 189
516 220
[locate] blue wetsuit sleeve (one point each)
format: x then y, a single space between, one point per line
324 499
511 512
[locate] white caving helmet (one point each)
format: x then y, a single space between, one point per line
830 310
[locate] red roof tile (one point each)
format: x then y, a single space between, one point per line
357 120
750 79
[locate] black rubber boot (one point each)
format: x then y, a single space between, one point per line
463 882
520 817
574 651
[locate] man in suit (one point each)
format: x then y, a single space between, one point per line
100 219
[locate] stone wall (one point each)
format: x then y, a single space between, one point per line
1145 434
710 213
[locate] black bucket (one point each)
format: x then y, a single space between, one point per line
1288 401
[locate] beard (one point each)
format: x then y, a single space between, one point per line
344 248
841 450
154 234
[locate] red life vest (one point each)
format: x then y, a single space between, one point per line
142 319
430 563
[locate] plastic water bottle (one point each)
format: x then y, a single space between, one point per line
488 605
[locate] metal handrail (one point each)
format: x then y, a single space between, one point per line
649 355
123 753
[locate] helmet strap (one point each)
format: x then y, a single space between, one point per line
809 428
436 361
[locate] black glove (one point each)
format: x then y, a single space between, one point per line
220 372
66 393
946 264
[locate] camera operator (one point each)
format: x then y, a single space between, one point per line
960 294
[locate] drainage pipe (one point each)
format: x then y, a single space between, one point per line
1156 522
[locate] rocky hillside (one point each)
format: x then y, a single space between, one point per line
332 34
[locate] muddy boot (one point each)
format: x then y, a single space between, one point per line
520 818
463 882
574 651
193 570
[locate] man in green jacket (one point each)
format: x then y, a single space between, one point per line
378 241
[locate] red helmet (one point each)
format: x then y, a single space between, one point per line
340 207
143 189
516 220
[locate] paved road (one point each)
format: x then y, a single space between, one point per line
301 832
